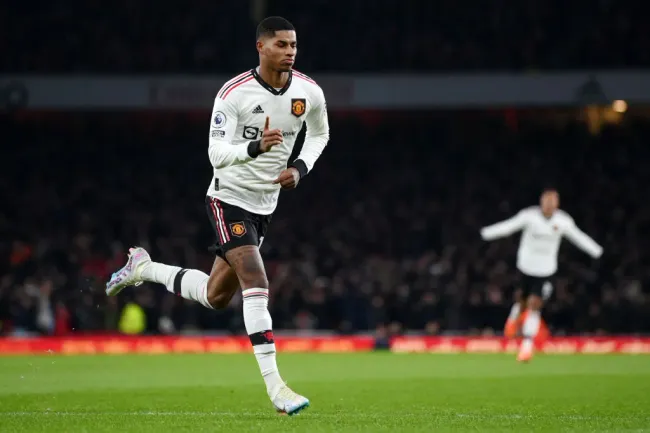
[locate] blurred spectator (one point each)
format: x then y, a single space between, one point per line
207 36
383 234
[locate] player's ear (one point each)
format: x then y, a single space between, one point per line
260 46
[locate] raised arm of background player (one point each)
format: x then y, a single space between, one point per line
221 150
316 138
505 228
581 240
519 221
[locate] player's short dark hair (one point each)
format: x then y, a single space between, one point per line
268 26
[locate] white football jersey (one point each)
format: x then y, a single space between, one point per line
240 110
540 239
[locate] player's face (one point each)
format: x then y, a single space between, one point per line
279 52
550 202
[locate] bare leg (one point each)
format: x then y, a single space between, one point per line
247 262
531 326
222 284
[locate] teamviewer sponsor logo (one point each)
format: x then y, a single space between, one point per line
251 132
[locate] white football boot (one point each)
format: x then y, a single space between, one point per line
131 273
288 402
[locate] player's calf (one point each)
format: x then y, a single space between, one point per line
247 263
222 284
530 327
514 321
188 283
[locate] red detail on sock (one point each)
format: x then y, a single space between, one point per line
256 294
268 336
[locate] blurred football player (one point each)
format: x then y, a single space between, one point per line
543 228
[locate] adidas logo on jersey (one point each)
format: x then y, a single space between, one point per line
258 110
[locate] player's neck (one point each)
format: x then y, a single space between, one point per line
275 79
548 215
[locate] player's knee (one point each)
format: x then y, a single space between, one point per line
257 280
219 294
534 302
248 265
219 300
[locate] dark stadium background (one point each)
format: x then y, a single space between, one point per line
383 234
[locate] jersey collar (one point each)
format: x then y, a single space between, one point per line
270 88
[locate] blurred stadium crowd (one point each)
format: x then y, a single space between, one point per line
204 36
374 238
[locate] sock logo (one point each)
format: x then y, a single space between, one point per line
268 336
263 337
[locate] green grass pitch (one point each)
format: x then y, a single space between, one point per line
375 392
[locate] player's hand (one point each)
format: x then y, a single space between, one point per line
270 137
288 179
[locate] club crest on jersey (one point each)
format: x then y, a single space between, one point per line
238 229
298 106
219 119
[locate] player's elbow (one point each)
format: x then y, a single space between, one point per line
216 162
219 164
325 136
321 137
216 158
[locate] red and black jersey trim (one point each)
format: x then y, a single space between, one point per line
230 85
304 77
270 88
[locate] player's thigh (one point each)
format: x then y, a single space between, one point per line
233 226
534 298
247 263
534 302
222 284
518 295
239 233
526 283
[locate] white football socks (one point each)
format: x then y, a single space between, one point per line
531 324
192 284
514 311
189 283
259 327
530 329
